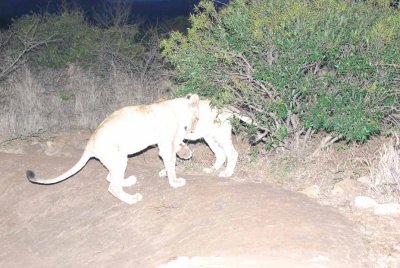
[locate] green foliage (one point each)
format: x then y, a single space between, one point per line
67 95
333 65
72 40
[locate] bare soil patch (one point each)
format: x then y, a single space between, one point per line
245 221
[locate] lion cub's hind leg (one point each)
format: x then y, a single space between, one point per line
127 182
224 139
220 142
130 181
232 156
116 165
220 155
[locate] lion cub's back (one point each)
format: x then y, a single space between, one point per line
132 127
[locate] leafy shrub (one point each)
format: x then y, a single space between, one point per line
74 41
290 65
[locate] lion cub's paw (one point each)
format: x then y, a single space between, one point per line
178 182
208 170
131 180
131 199
124 197
225 174
162 173
135 198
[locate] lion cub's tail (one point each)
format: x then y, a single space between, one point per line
78 166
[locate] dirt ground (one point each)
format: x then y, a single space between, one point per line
258 218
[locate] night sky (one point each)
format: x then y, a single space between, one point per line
150 9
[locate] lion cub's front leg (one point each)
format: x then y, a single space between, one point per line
168 155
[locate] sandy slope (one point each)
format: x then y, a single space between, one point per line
77 223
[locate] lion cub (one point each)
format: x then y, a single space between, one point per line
215 128
130 130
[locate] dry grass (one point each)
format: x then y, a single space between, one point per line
299 167
386 173
69 99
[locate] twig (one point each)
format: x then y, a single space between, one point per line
326 142
29 43
389 65
34 134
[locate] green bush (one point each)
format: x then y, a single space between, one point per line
331 65
72 40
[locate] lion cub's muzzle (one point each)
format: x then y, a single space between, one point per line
192 126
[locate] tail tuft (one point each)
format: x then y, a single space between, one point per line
30 175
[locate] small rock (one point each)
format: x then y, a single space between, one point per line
319 259
392 209
51 148
364 202
13 149
176 262
366 180
348 188
312 191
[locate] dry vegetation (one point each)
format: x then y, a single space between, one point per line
385 171
71 98
52 80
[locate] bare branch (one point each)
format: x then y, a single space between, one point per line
115 13
29 42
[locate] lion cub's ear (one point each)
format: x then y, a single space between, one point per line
193 99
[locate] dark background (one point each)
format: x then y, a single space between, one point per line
148 9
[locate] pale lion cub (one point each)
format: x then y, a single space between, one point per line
215 127
132 129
